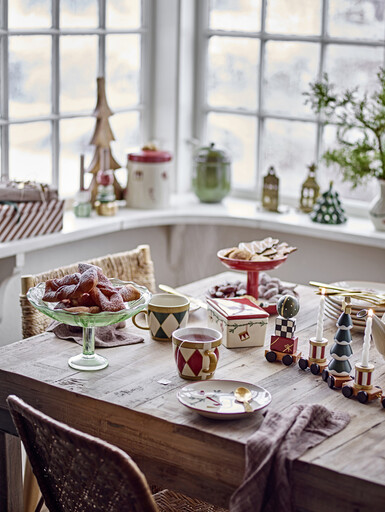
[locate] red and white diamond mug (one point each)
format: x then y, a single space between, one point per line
196 352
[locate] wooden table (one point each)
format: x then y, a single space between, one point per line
175 447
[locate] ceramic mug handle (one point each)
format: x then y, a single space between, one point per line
213 360
137 325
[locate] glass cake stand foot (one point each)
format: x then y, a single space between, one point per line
88 360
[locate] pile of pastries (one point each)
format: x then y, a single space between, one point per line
260 250
88 291
270 289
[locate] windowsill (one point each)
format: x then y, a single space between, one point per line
186 209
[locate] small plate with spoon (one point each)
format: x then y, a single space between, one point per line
224 399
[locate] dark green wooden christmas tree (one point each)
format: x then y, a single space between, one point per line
341 351
328 208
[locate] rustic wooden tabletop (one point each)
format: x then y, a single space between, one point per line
127 404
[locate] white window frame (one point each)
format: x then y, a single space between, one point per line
202 109
144 107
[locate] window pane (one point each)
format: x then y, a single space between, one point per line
289 69
237 135
351 66
75 136
30 152
365 192
29 76
244 15
290 147
233 71
123 70
126 129
29 14
294 17
76 13
361 19
123 14
78 71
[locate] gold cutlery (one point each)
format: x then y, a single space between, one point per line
244 395
374 298
197 302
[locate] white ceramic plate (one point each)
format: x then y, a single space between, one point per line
336 312
334 316
215 398
358 285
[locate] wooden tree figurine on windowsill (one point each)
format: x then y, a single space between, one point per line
101 139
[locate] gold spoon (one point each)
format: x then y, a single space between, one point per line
244 395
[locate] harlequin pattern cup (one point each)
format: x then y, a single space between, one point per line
165 313
196 352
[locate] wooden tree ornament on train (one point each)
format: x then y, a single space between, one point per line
339 368
283 343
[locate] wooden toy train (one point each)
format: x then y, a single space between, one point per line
284 343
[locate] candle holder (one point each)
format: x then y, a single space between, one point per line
339 368
82 204
284 343
317 344
362 387
316 361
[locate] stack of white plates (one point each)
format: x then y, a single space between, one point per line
333 303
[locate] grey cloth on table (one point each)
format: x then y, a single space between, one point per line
282 438
110 336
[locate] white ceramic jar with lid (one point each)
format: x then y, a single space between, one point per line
149 175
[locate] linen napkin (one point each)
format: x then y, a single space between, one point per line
270 452
110 336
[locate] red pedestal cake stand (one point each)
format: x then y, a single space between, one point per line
253 268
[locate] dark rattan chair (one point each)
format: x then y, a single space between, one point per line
77 472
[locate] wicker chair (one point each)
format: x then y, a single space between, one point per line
81 473
135 265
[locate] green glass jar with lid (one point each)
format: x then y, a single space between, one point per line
211 178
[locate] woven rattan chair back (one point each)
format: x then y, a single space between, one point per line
135 265
77 472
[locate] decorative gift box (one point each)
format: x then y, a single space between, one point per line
283 344
285 327
25 191
241 322
40 213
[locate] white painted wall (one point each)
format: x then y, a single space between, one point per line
185 253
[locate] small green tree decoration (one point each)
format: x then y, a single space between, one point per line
360 157
328 208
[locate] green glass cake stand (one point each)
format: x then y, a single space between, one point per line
88 360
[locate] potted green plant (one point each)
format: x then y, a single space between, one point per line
360 121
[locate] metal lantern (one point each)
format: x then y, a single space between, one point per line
270 190
309 191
